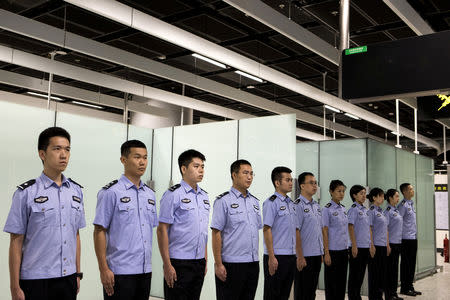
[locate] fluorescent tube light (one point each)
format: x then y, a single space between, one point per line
211 61
352 116
249 76
87 104
332 108
45 96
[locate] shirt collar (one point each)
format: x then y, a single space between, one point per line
334 204
48 182
306 201
359 205
392 207
239 194
128 184
189 188
282 198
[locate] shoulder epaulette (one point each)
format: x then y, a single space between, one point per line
354 205
273 197
372 207
204 190
403 202
328 205
221 195
26 184
174 187
296 201
255 197
73 181
110 184
388 208
149 187
341 204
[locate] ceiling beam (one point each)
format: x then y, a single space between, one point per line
407 13
280 23
136 19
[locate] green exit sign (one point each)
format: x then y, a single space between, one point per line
356 50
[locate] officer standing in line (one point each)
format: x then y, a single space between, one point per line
183 230
123 234
335 240
395 227
309 260
361 241
280 226
235 238
44 221
409 241
378 263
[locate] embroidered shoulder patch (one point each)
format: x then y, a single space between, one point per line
27 184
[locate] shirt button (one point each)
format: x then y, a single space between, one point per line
64 225
145 241
64 259
65 242
62 207
142 224
43 209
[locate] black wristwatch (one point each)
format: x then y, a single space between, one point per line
80 275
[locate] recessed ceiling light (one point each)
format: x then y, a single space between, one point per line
45 96
250 86
161 57
391 113
352 116
375 107
87 104
332 108
211 61
249 76
334 13
370 104
281 6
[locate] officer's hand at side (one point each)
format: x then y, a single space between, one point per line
354 251
17 294
107 278
221 272
301 263
372 251
327 259
388 249
273 265
170 275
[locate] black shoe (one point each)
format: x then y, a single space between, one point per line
408 293
396 297
417 292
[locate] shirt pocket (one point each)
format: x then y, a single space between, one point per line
150 213
186 212
126 212
237 215
44 215
76 213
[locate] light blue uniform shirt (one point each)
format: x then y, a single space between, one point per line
187 211
49 217
309 217
128 214
239 219
359 217
335 218
279 214
408 212
395 224
379 226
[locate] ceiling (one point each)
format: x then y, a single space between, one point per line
370 22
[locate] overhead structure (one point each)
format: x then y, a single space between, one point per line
407 13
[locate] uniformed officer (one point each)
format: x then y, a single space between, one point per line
123 234
235 239
395 227
309 238
44 221
409 241
361 241
377 264
280 225
335 240
183 230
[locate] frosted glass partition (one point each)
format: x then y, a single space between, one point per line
20 126
344 160
266 142
94 162
381 171
307 154
426 253
406 167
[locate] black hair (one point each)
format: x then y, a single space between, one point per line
375 192
403 187
334 184
236 166
355 190
276 173
390 193
47 134
125 149
187 156
301 178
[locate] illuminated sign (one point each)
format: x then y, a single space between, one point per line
444 98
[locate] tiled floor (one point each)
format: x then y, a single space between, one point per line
436 287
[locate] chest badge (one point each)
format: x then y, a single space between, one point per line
186 200
151 201
335 213
40 199
361 213
395 214
255 207
306 210
378 215
125 199
206 202
77 199
234 205
282 207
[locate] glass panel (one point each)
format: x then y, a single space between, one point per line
94 162
406 168
426 252
266 142
381 165
307 154
20 126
